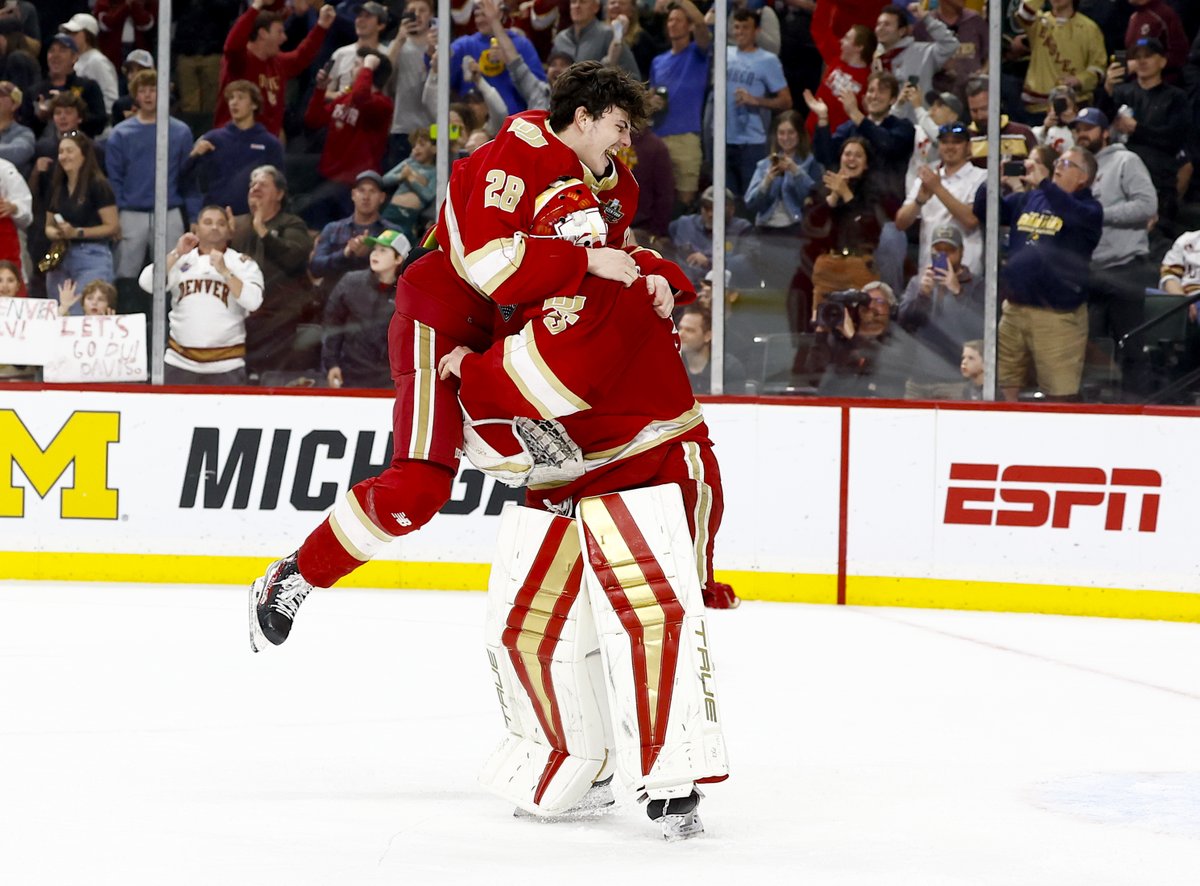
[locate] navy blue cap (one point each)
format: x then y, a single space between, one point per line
1153 44
1090 117
954 130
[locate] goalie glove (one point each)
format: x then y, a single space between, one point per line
522 451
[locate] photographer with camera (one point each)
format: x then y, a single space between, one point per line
858 351
942 307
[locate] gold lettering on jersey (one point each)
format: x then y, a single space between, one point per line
563 312
528 133
503 190
1038 224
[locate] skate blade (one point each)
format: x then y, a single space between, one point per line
597 801
258 640
681 827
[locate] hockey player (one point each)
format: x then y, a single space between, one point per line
627 455
483 260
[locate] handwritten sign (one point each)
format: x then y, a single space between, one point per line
100 349
28 327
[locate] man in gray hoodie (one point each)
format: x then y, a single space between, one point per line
1120 269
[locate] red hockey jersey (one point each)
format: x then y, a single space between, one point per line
601 363
486 257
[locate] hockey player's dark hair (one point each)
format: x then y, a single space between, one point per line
596 87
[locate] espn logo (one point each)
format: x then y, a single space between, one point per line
1041 494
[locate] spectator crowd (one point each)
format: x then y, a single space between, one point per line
302 170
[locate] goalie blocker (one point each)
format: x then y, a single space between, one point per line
598 644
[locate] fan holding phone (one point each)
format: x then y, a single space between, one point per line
941 308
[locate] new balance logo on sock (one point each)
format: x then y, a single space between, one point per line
402 519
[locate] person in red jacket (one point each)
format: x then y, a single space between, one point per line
252 52
850 70
357 123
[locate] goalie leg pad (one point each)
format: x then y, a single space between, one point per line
645 593
540 636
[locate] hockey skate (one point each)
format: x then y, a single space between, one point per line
597 801
718 595
679 816
274 599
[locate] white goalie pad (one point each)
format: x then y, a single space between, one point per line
541 644
645 594
522 451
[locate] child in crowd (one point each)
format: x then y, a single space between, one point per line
972 369
416 180
11 285
98 299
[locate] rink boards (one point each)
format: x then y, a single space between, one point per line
1081 511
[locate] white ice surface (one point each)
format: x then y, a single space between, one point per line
141 742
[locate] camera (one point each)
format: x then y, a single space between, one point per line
1013 168
409 16
832 311
914 80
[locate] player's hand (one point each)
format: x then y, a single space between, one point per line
662 298
612 264
334 377
451 364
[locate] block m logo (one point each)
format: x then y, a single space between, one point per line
82 441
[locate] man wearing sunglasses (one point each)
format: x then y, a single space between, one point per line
945 195
1054 227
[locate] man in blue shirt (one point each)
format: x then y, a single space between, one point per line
482 47
222 159
678 80
1054 226
129 161
755 85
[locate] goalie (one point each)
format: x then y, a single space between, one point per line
596 627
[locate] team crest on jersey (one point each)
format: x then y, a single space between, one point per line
613 211
506 311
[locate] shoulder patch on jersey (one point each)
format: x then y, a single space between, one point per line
528 133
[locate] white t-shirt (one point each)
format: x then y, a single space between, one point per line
962 185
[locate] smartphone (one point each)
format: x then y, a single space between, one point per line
1013 168
1060 106
1120 57
913 80
941 261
